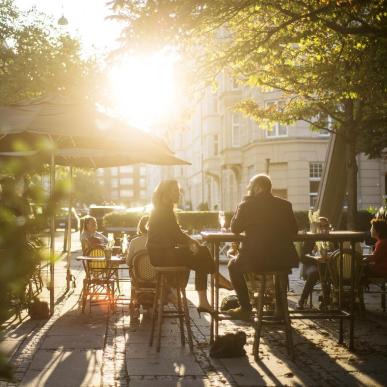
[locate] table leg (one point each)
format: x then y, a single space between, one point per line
216 255
212 298
352 318
341 329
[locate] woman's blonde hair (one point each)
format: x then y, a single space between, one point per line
161 195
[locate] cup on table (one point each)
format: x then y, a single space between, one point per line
108 254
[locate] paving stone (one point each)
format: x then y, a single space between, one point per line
184 365
84 341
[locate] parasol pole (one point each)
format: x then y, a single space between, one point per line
52 233
68 247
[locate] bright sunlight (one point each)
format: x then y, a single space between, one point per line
143 89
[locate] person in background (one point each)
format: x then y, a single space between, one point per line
377 262
233 251
90 237
269 225
168 245
138 243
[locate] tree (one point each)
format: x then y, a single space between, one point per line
36 59
328 58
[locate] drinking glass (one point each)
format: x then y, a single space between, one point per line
222 220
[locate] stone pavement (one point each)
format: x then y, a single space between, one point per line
98 349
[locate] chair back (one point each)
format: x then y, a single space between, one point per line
97 252
334 267
142 270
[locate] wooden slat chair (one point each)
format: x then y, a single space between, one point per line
99 280
333 263
143 282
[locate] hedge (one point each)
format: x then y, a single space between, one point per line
196 221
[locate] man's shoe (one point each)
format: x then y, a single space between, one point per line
239 314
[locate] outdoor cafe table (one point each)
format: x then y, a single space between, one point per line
217 237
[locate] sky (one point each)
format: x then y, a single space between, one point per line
86 20
142 88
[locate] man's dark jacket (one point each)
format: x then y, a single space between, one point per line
269 225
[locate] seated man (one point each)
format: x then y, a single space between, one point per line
269 225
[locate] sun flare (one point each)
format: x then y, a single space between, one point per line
143 89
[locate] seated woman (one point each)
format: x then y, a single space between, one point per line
90 237
168 245
377 262
138 243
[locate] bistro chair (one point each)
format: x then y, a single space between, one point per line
143 283
179 274
333 263
380 282
281 314
99 280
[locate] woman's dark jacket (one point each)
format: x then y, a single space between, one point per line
164 233
269 225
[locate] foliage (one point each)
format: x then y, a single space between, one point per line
17 228
329 59
121 219
86 187
35 59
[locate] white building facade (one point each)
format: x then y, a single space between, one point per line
226 149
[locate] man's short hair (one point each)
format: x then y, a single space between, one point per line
261 180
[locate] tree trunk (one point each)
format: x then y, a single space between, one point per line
351 164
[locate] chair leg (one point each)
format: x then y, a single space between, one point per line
187 319
84 295
160 313
154 309
180 312
285 311
258 322
383 296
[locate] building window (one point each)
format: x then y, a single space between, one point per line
114 171
142 182
142 171
126 193
114 183
315 173
126 181
235 130
126 169
278 130
215 144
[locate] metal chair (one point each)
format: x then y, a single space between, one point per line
143 282
282 311
100 279
333 263
179 274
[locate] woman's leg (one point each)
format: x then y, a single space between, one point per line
312 277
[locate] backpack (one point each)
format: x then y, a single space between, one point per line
38 310
229 302
229 345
